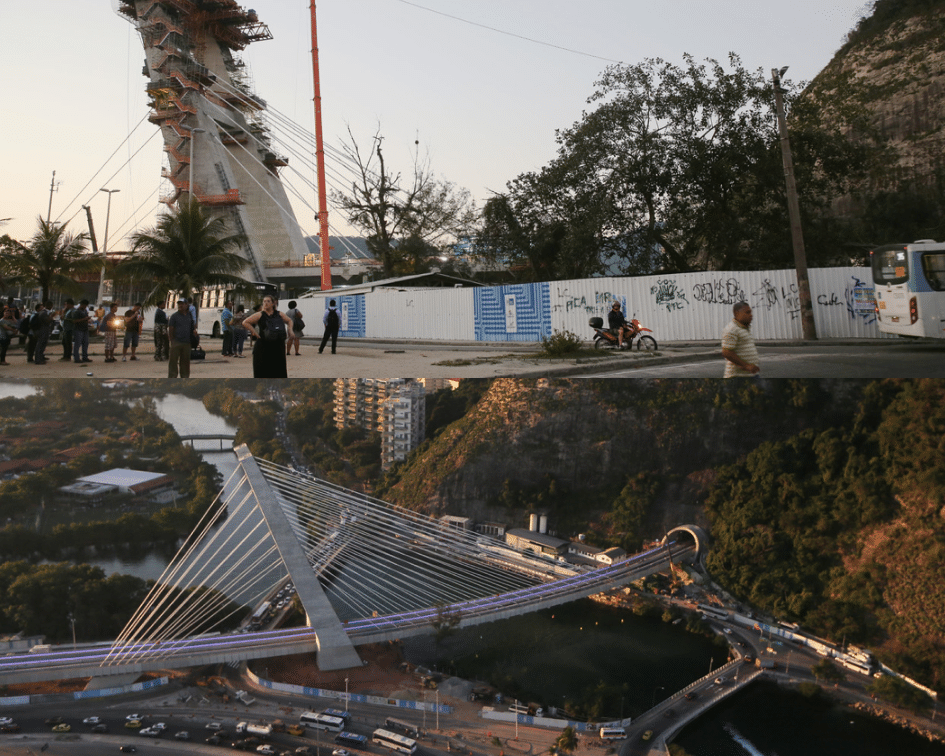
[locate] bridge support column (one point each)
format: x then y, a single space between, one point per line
335 649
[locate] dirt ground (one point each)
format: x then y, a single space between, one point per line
383 673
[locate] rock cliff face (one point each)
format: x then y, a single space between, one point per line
894 64
590 437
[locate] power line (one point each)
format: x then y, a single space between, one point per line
510 34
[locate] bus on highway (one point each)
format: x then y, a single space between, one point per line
351 739
394 742
318 721
405 728
909 285
612 733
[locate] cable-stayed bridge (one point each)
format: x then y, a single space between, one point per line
364 571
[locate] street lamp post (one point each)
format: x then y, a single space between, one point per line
794 212
653 701
108 215
346 694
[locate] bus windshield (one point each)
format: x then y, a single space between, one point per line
890 265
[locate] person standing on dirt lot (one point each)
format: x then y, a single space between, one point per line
738 345
133 320
180 330
332 324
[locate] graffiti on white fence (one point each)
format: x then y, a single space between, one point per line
770 296
669 295
720 291
603 300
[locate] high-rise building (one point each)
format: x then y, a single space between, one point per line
394 408
217 146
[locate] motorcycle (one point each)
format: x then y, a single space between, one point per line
634 331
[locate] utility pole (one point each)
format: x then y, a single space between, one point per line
88 212
794 212
320 162
108 215
52 188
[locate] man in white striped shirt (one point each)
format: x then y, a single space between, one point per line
738 345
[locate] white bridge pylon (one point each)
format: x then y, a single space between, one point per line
271 525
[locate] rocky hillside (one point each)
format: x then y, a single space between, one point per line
571 448
893 64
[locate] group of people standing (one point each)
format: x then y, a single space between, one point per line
76 323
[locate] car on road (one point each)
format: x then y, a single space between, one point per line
139 717
10 728
182 735
719 681
150 732
266 750
214 740
133 724
62 727
101 727
340 752
648 734
5 720
128 749
304 751
216 726
691 695
295 729
92 720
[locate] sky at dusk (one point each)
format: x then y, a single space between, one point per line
478 86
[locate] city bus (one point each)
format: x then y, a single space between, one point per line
351 739
612 733
318 721
405 728
342 715
394 742
909 285
209 303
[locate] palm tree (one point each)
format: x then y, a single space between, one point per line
185 252
566 743
50 260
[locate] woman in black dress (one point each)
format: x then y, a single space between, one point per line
271 329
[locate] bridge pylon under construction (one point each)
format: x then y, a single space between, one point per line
215 138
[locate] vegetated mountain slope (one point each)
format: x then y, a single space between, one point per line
893 65
571 448
825 500
844 529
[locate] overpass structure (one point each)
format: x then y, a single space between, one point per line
221 437
364 571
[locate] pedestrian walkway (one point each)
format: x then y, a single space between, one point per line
369 359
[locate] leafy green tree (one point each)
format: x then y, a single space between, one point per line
676 168
899 692
827 670
188 249
51 259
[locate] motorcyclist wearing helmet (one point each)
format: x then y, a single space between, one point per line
617 323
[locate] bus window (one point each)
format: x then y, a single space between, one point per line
933 266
